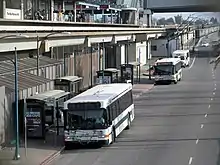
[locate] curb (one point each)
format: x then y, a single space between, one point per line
50 158
137 96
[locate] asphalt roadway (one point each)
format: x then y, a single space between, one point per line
174 125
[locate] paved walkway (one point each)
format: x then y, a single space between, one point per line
38 152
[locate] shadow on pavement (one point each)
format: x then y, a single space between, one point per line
145 81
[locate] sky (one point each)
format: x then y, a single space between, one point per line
206 15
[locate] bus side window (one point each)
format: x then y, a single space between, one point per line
114 110
122 103
117 107
109 114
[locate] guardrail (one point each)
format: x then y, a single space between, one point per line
60 23
48 26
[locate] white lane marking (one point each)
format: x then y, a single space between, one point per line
202 126
213 93
194 59
209 106
197 141
206 115
111 147
214 89
211 99
190 160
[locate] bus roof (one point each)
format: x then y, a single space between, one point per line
166 60
181 51
49 94
112 69
102 93
70 78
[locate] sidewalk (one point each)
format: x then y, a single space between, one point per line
145 68
38 152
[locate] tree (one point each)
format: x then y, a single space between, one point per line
178 19
213 20
216 62
154 21
161 21
170 21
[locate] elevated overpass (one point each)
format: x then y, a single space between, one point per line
79 33
182 6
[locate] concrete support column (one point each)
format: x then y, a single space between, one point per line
74 11
120 51
3 8
181 41
127 53
119 17
103 16
99 52
149 17
103 56
63 5
22 9
136 17
93 15
148 49
148 54
51 10
111 17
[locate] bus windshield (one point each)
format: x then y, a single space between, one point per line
86 119
164 70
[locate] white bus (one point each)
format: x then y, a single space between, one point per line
184 55
168 70
99 114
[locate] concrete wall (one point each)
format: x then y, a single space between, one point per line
132 53
141 53
83 68
161 50
136 50
2 115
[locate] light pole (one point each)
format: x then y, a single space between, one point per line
15 62
103 54
42 40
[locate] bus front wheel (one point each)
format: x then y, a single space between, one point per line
129 122
113 135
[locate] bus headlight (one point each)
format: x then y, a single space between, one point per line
100 134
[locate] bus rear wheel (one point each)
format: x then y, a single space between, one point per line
129 122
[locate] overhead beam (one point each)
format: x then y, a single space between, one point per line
77 38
